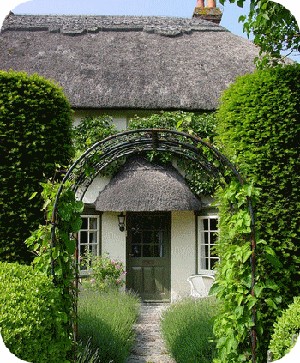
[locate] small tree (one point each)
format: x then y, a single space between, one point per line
259 129
274 28
35 129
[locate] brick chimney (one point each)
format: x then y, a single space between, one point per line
209 12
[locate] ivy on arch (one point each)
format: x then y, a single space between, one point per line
103 153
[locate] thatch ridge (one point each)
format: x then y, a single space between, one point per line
80 24
143 186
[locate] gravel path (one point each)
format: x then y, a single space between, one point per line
149 346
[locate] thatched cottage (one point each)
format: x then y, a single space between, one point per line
125 66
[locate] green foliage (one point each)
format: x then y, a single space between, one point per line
32 315
35 132
104 273
187 328
107 320
234 280
202 125
274 28
259 129
57 257
287 326
91 130
86 353
68 222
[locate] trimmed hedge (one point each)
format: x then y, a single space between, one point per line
33 323
285 328
259 129
35 129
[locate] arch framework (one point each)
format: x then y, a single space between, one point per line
95 159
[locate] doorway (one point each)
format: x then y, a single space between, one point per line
148 255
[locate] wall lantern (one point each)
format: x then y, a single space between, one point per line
121 222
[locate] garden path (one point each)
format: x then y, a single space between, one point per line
149 346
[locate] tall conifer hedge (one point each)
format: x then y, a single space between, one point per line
259 129
35 132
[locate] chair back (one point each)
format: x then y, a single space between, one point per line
200 285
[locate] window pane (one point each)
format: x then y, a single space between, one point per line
213 238
83 237
213 224
136 250
93 223
84 223
93 250
147 251
137 237
93 237
206 239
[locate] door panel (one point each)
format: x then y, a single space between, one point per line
148 255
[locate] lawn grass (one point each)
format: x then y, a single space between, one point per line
106 319
187 328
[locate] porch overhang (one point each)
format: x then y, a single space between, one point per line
141 186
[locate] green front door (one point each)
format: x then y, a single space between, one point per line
148 255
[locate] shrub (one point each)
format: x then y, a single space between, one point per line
32 318
259 129
107 319
35 128
187 328
90 130
287 325
105 273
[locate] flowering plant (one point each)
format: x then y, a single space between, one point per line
105 272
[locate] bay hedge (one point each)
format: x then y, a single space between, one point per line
35 133
259 129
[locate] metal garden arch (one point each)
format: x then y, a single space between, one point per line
90 164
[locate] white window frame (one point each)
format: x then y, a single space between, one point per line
90 233
205 260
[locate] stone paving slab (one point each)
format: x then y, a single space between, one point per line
149 346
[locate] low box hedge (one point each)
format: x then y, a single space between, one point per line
33 322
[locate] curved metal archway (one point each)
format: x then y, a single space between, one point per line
90 164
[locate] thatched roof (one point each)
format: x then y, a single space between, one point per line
128 62
143 186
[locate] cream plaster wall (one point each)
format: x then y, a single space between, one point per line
182 252
120 120
113 240
95 188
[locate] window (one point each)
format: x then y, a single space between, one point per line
208 232
147 234
88 238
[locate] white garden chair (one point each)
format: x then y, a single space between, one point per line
200 285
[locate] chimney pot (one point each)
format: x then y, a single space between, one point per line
209 12
211 3
200 4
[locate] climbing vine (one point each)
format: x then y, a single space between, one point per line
237 286
58 260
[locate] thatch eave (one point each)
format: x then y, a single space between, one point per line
141 186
